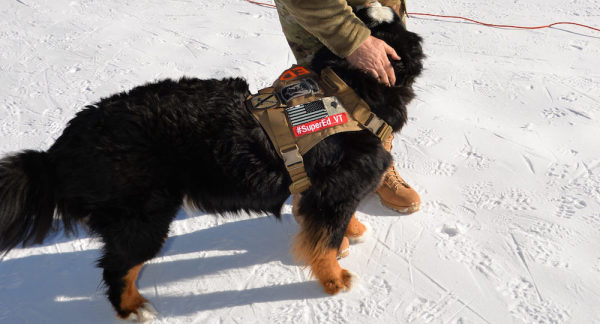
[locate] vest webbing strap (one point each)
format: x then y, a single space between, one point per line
288 150
356 106
275 125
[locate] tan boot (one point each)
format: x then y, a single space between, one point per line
394 192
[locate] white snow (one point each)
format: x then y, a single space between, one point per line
502 144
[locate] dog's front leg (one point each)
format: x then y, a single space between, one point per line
355 232
323 222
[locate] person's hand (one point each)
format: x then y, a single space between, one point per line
372 57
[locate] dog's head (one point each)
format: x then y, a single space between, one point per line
388 103
385 24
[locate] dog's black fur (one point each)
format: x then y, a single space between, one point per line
125 164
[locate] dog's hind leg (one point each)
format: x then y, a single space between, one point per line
121 263
130 239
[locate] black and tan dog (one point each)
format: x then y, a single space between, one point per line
125 164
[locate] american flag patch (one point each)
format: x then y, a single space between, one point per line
314 116
306 113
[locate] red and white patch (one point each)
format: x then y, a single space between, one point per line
316 115
317 125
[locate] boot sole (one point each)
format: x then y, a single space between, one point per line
402 209
344 253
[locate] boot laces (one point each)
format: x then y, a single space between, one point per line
394 180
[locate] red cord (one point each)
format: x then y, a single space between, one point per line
262 4
408 14
503 26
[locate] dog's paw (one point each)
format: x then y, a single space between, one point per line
362 237
146 312
342 281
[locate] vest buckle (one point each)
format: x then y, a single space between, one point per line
291 155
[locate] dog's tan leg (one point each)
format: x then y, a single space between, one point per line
344 249
356 231
355 228
133 305
131 299
311 247
329 273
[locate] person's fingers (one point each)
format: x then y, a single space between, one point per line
389 70
383 76
373 57
391 52
373 73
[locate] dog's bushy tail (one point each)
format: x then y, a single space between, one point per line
27 198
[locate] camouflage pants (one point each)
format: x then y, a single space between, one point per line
303 44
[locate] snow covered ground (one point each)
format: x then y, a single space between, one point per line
502 144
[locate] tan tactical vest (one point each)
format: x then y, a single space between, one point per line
302 108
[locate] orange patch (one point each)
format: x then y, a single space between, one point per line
355 228
293 73
131 299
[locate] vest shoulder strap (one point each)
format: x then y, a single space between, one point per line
355 105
